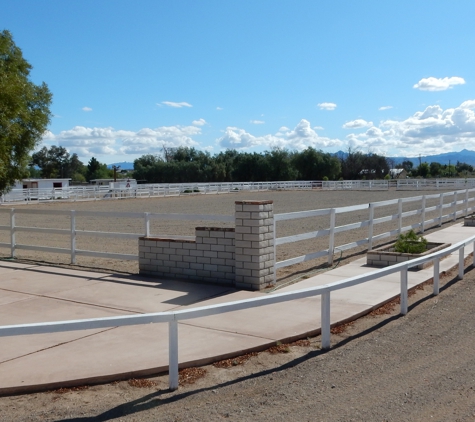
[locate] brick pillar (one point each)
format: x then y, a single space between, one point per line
254 244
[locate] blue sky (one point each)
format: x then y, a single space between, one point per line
129 77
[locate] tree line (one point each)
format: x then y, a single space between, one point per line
437 170
184 164
188 165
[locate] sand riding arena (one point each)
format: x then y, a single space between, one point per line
97 220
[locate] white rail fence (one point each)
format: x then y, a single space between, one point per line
73 233
172 318
81 193
400 184
460 203
449 206
78 193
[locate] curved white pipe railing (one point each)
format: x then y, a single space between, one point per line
173 317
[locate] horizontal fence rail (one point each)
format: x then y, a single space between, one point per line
172 318
77 193
73 233
445 206
104 192
460 203
400 184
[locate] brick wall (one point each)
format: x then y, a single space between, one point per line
208 258
241 257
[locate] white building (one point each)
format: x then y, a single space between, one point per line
42 184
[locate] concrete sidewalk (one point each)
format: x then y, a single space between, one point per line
34 293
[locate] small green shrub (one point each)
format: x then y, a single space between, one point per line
410 243
325 179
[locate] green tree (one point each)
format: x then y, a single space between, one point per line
97 170
24 112
56 162
436 169
423 170
315 165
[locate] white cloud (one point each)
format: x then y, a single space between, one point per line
438 84
468 104
430 131
356 124
219 108
318 128
87 141
176 105
86 109
301 137
257 122
200 122
327 106
385 108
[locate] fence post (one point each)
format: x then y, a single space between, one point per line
173 355
399 206
73 237
466 203
455 206
423 213
325 320
404 291
12 233
275 252
371 225
461 262
147 224
441 208
436 276
331 245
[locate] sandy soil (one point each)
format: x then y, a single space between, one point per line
383 367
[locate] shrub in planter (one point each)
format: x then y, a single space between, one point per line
410 243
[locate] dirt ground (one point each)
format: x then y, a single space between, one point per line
382 367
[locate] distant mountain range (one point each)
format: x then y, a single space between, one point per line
125 165
464 156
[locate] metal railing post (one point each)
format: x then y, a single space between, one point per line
404 291
441 206
275 252
455 206
331 245
147 224
423 213
325 320
371 226
466 203
461 262
399 213
173 355
436 277
12 233
73 237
